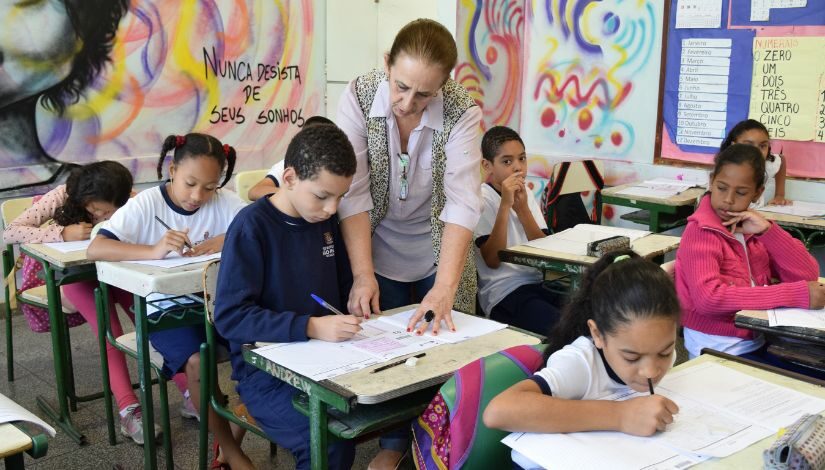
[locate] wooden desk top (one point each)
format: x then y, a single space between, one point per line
750 457
687 197
648 246
794 220
56 258
143 280
13 441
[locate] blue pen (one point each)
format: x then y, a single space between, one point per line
326 305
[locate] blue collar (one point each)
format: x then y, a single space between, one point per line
172 205
610 372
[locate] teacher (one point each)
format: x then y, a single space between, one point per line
415 199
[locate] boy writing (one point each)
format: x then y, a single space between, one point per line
277 252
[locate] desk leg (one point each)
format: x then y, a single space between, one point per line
145 379
14 462
655 225
317 432
58 335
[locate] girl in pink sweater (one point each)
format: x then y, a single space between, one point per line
91 195
729 256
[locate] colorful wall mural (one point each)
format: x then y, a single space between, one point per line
592 78
248 72
577 78
490 39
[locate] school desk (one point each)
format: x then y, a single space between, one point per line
810 231
757 320
361 402
142 280
659 214
651 246
60 269
751 457
14 441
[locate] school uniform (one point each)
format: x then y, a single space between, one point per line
511 293
271 264
276 173
771 169
135 223
578 371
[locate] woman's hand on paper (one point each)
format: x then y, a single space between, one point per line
363 297
440 300
643 416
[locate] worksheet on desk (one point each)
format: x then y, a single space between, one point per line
466 326
68 247
721 411
799 209
174 260
797 317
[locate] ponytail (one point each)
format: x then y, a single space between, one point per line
231 157
619 288
169 143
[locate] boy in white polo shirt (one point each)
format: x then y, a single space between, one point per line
510 216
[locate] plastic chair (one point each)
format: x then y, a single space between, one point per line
244 181
453 420
36 296
210 358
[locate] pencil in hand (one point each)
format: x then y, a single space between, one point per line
170 228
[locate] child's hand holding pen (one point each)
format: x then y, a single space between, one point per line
172 240
643 416
333 328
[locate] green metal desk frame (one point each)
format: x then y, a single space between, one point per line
38 449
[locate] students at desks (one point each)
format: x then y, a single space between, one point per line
510 216
199 213
290 240
272 181
729 255
618 333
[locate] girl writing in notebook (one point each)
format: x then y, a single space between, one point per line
618 333
91 195
730 257
198 212
754 133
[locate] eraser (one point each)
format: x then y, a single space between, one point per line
411 362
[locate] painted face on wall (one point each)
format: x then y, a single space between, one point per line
37 45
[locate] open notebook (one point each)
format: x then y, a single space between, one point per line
381 339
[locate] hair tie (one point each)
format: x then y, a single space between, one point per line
180 140
226 149
620 258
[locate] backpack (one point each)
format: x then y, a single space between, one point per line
563 211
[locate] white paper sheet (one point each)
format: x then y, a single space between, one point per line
466 326
574 240
659 187
798 208
11 411
174 260
68 247
698 14
382 338
713 421
797 317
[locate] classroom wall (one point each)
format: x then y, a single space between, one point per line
247 72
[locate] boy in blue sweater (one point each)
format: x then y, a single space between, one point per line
277 252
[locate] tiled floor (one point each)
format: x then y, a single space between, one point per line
34 375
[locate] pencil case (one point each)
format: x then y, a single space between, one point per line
601 247
802 447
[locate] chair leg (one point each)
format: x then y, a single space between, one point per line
9 341
164 416
203 406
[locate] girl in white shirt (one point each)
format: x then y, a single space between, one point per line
618 333
199 215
